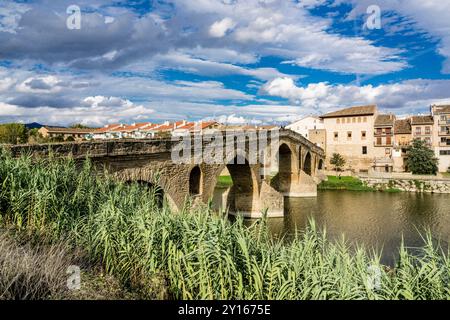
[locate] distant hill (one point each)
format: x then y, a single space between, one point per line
36 125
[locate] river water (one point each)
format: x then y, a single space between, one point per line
374 219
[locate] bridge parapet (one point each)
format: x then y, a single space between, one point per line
253 190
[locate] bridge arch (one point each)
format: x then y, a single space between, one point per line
153 189
195 181
243 195
320 165
307 164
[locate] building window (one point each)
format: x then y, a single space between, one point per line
349 135
364 150
444 152
443 117
349 120
354 120
363 135
338 121
388 131
418 130
427 130
379 141
365 119
428 140
388 141
336 135
359 119
387 151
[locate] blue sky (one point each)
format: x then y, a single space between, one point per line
253 61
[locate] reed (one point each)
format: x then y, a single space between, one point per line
195 253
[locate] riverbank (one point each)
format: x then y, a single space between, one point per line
195 253
351 184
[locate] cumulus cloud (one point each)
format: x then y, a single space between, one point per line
413 16
406 96
220 28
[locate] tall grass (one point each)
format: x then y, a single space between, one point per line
196 254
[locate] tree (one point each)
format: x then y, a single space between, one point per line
79 126
338 162
421 159
13 133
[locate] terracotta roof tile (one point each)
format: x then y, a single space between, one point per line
384 120
402 126
418 120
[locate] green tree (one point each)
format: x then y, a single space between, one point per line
79 126
13 133
421 159
338 162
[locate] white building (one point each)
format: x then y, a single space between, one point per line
303 126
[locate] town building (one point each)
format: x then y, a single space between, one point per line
422 128
383 143
402 139
65 134
350 132
318 137
304 125
441 135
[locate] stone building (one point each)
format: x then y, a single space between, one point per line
350 132
65 134
305 125
402 139
384 143
441 135
422 128
318 137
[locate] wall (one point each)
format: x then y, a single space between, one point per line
410 185
351 149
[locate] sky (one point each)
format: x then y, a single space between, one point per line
234 61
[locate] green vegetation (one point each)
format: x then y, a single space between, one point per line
224 182
13 133
337 161
195 254
421 159
344 183
353 184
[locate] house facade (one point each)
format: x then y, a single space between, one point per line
384 143
65 134
441 135
350 132
422 128
303 126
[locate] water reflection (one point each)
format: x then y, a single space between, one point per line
375 220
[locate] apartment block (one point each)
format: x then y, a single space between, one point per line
384 143
441 135
422 128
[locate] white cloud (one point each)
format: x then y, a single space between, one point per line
189 64
406 96
429 16
220 28
10 14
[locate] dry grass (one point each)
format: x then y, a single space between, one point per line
29 272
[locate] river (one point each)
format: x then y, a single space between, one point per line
373 219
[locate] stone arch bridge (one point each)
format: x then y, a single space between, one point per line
258 186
